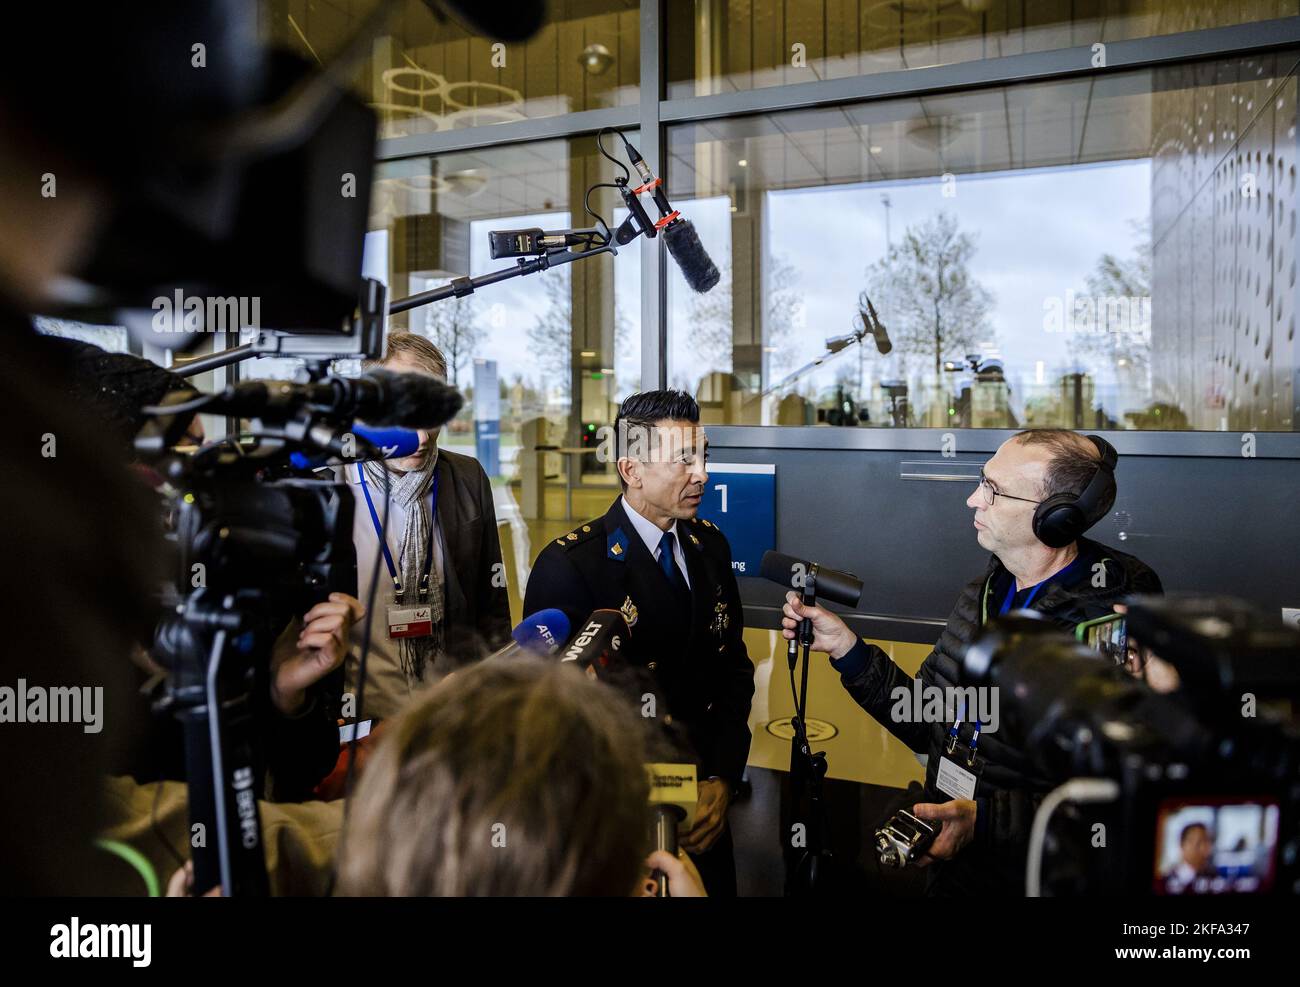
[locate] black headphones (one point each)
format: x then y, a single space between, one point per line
1063 517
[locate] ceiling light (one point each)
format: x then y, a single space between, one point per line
596 58
466 184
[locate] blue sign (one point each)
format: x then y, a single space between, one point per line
487 417
741 500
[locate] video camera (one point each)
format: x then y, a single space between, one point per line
254 544
1191 791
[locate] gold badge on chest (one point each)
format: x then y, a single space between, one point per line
628 610
721 618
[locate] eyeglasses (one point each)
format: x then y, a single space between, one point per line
991 493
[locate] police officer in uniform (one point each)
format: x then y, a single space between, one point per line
669 572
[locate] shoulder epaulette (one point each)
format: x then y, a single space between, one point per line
578 535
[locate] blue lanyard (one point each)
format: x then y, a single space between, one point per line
383 542
1011 591
975 736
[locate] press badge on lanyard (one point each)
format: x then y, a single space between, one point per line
959 768
406 619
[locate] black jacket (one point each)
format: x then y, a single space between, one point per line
694 649
1007 794
478 607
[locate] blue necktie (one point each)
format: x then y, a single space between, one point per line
666 561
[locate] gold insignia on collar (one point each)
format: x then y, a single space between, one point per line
694 540
616 548
586 527
628 610
559 541
571 536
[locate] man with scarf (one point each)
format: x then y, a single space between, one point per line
441 601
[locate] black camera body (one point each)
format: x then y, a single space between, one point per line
1208 775
252 546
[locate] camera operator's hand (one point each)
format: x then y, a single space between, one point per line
181 884
710 815
683 879
958 818
311 648
830 634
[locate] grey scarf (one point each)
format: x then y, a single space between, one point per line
411 491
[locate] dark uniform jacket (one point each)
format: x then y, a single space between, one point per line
477 607
693 647
1007 794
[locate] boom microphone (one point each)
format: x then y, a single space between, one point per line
876 328
679 234
684 244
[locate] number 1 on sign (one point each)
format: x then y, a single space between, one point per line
722 488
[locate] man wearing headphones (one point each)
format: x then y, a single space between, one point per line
1035 498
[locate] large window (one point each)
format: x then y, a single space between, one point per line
716 46
1109 252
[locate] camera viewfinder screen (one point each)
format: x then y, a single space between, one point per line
1216 846
1110 638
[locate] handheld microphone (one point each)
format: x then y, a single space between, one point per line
830 584
542 633
679 234
597 644
390 443
811 580
381 398
674 794
539 634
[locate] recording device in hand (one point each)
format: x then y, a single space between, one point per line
829 584
903 838
674 794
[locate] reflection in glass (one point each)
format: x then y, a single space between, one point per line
426 75
719 46
1110 252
